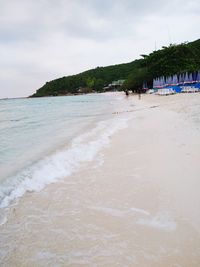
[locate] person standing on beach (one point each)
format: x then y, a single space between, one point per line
139 93
127 92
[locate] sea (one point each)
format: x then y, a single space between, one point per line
43 140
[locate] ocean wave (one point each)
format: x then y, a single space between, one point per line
62 163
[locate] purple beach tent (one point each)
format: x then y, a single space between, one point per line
194 77
162 81
156 83
197 85
169 80
198 77
190 78
186 78
175 79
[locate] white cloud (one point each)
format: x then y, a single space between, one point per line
45 39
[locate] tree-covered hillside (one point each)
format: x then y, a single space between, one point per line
166 61
94 79
175 59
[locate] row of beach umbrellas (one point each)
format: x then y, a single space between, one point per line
176 79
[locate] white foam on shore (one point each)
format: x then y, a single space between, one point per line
161 221
61 164
119 212
110 211
140 211
3 218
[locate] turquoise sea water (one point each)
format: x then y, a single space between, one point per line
31 130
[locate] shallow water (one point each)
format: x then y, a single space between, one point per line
36 134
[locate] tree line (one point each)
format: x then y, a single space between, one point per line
174 59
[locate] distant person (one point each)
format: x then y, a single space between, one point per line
139 94
127 92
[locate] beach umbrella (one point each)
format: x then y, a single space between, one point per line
194 76
153 83
198 76
181 78
158 82
167 80
178 76
175 79
161 81
190 78
186 78
170 80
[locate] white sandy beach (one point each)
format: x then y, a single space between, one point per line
137 204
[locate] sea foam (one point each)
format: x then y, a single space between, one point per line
160 221
62 163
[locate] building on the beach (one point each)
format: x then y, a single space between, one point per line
114 85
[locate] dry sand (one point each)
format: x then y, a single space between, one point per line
137 205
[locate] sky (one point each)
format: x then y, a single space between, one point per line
41 40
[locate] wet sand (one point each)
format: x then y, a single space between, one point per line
137 204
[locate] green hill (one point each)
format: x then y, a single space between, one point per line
173 59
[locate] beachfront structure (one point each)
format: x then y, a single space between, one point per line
179 82
117 83
114 85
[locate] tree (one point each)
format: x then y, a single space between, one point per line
90 82
136 79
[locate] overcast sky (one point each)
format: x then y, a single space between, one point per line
41 40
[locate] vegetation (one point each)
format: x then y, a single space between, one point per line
175 59
166 61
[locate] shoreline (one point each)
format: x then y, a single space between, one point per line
137 204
